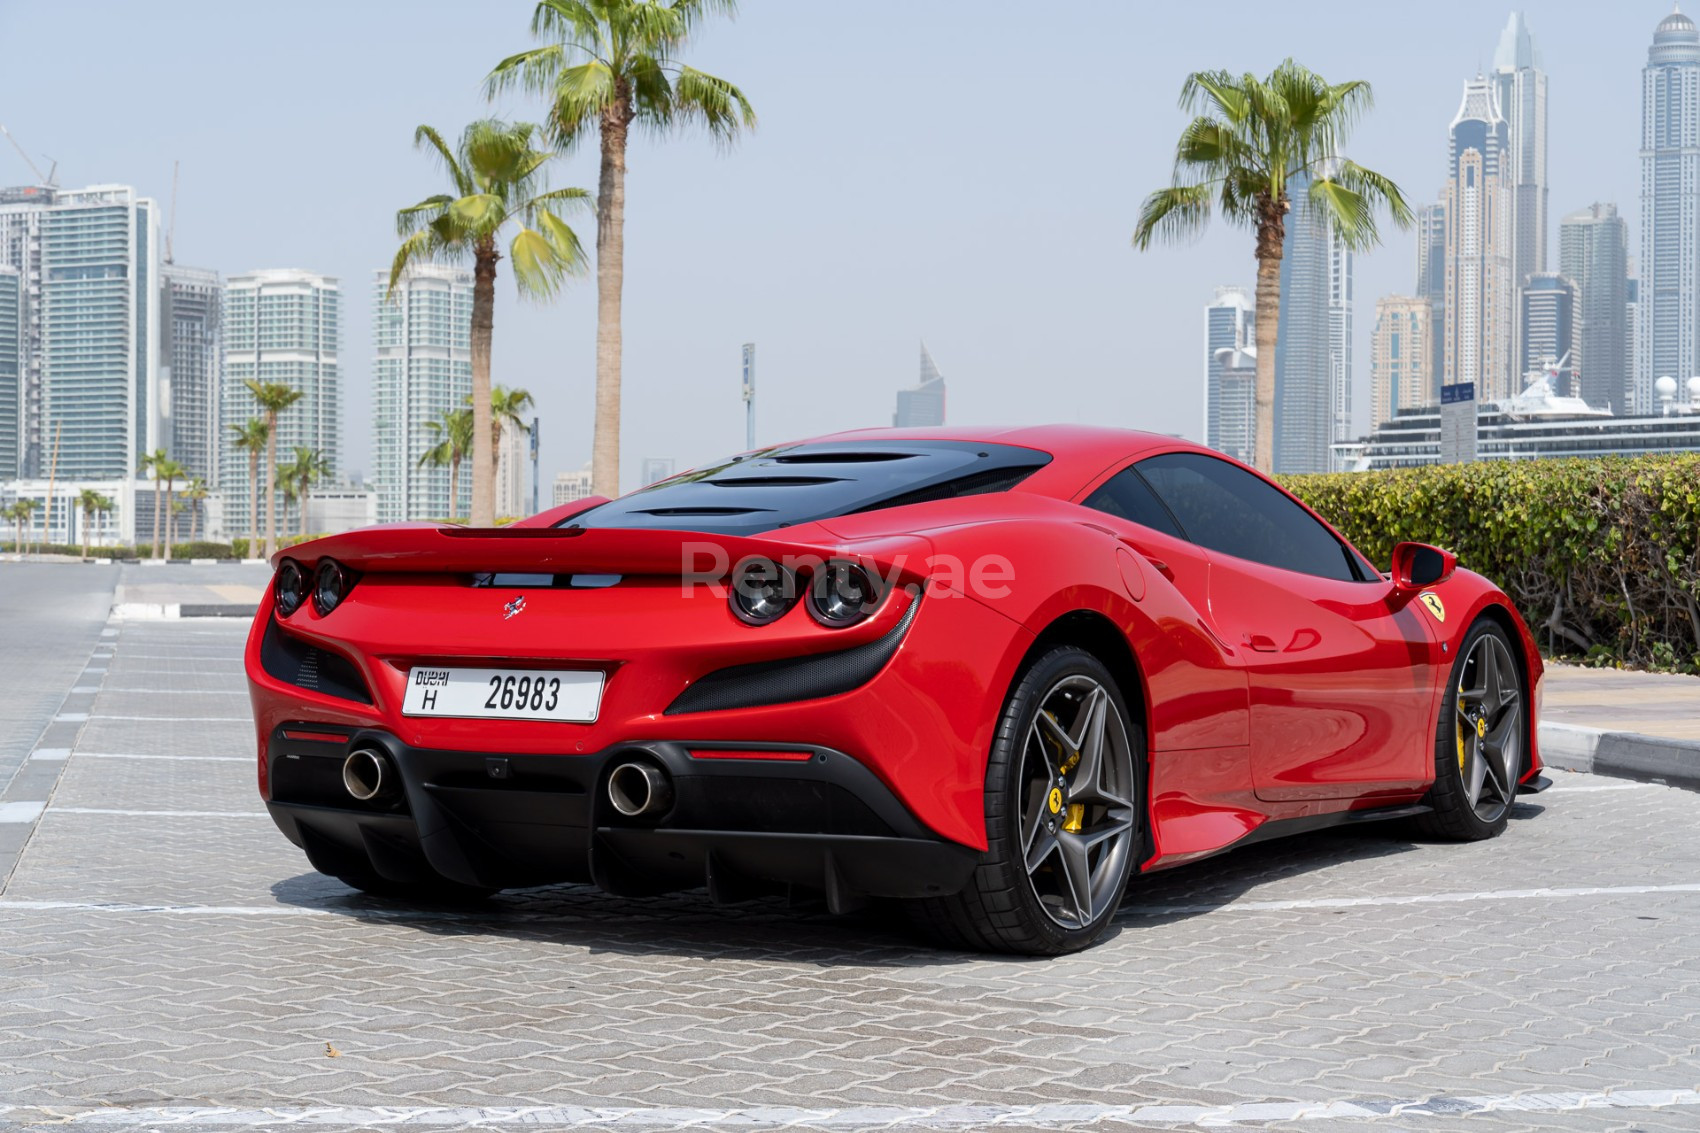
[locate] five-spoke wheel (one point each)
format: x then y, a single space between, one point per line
1479 754
1063 799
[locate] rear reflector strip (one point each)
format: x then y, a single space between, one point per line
749 753
317 737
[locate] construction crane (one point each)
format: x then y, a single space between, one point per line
41 178
171 225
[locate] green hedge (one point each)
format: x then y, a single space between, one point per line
1600 555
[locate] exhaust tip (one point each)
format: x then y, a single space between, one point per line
640 790
367 775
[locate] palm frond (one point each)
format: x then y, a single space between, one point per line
1215 92
719 105
427 137
1174 214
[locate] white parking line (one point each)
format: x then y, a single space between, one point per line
192 692
1417 899
50 754
148 755
180 719
18 812
1044 1115
1605 787
159 813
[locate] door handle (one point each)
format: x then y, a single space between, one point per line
1262 643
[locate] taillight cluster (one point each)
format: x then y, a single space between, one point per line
837 593
328 585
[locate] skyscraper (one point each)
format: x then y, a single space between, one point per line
11 368
1313 352
1479 285
88 269
1230 374
923 405
191 306
1431 286
1593 252
1401 367
1548 326
513 488
281 325
1521 87
1667 334
422 336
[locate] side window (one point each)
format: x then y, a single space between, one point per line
1126 496
1227 509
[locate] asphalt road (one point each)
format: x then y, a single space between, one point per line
168 960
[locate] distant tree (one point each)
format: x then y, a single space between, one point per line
170 471
19 513
151 462
454 440
273 398
1249 139
196 494
507 407
92 503
251 438
497 172
307 467
613 63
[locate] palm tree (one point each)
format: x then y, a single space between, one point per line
170 471
251 439
196 494
92 503
507 406
615 62
150 463
20 513
1249 140
274 398
307 467
455 431
497 172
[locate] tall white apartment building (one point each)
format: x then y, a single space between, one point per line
422 369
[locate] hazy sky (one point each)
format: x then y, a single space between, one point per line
963 171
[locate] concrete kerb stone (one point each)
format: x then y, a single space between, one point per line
1623 755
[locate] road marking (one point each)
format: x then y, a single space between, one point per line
70 717
506 914
180 719
51 753
21 811
145 755
85 688
159 813
1044 1115
193 692
1417 899
1603 787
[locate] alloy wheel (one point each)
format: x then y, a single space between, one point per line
1076 801
1489 723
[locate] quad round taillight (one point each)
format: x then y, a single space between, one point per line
762 591
291 587
842 594
331 583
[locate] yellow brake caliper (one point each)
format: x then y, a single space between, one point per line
1066 762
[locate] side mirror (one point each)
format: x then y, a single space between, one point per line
1416 565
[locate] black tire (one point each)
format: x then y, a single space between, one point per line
1046 911
1481 740
441 891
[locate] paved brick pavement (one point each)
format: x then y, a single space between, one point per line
167 958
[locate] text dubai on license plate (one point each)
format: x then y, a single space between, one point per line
504 694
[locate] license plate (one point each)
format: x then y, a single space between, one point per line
504 694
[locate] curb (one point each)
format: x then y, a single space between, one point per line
162 611
1623 755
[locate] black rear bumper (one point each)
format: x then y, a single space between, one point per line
742 827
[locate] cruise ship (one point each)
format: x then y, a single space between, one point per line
1536 424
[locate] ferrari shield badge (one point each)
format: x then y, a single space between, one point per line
1434 604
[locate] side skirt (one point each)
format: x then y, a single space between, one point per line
1305 824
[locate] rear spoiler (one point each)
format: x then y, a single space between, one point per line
443 549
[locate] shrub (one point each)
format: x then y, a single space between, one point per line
1599 555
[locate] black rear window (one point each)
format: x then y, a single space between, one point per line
792 484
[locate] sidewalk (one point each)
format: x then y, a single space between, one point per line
170 590
1613 722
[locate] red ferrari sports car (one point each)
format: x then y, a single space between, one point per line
994 673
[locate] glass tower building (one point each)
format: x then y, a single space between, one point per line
422 342
1479 283
11 369
923 405
1313 350
1521 87
191 307
279 326
1548 327
1593 252
1668 338
1230 375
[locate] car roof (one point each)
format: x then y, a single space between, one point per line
1079 452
